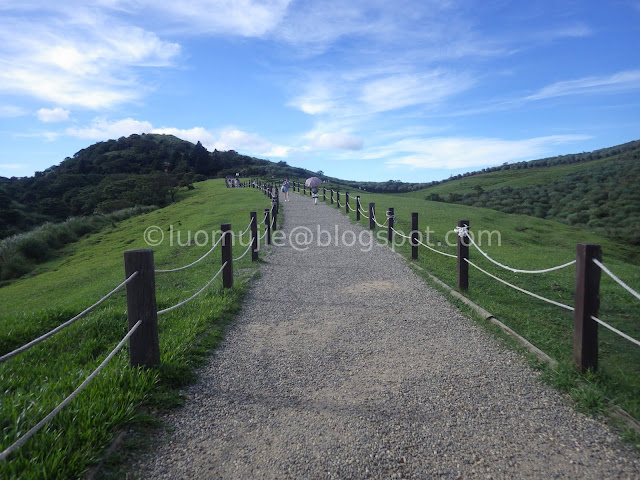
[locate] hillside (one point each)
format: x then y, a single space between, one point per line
600 194
117 174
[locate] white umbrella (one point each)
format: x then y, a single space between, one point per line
312 182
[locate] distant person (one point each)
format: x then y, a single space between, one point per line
314 195
285 189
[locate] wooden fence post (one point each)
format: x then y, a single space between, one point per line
304 189
332 196
372 213
586 304
144 347
227 255
324 194
358 207
254 236
267 224
390 227
346 202
463 256
338 198
414 236
275 217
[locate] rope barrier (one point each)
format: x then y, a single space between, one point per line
242 234
22 440
615 330
400 233
263 220
263 235
194 263
245 252
516 270
373 215
437 251
166 310
553 302
363 214
617 280
67 323
352 209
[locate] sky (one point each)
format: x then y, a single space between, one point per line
376 90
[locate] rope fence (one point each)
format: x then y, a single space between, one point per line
141 304
587 285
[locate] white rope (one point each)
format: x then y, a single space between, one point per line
617 280
437 251
399 233
352 209
516 270
263 220
245 252
606 325
242 234
194 295
22 440
194 263
263 235
67 323
363 214
373 215
521 289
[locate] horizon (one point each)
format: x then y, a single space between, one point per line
413 91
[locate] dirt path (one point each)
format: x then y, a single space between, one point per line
344 364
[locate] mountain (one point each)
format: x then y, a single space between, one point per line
144 169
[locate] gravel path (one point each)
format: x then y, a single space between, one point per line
344 364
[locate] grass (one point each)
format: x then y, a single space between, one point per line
34 382
532 243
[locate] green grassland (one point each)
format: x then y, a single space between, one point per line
526 242
34 382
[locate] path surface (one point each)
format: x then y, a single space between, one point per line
344 364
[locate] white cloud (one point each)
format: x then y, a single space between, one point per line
456 153
618 82
249 18
48 115
102 129
342 141
10 111
75 56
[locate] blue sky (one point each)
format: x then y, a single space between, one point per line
360 89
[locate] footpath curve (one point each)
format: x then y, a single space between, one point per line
343 363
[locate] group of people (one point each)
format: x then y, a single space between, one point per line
286 185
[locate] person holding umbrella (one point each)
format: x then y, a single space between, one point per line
313 182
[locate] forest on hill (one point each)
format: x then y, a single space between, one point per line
138 170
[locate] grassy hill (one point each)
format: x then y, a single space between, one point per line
600 195
34 382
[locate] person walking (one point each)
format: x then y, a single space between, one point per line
285 189
314 195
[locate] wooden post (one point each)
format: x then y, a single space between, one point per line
267 224
324 194
346 202
414 236
254 236
390 228
227 255
332 196
372 213
304 189
358 207
586 304
463 256
338 198
275 217
144 347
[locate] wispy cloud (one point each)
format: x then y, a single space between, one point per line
459 152
618 82
77 57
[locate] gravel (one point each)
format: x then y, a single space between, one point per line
344 364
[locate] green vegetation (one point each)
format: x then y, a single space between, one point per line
526 242
597 195
34 382
20 253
